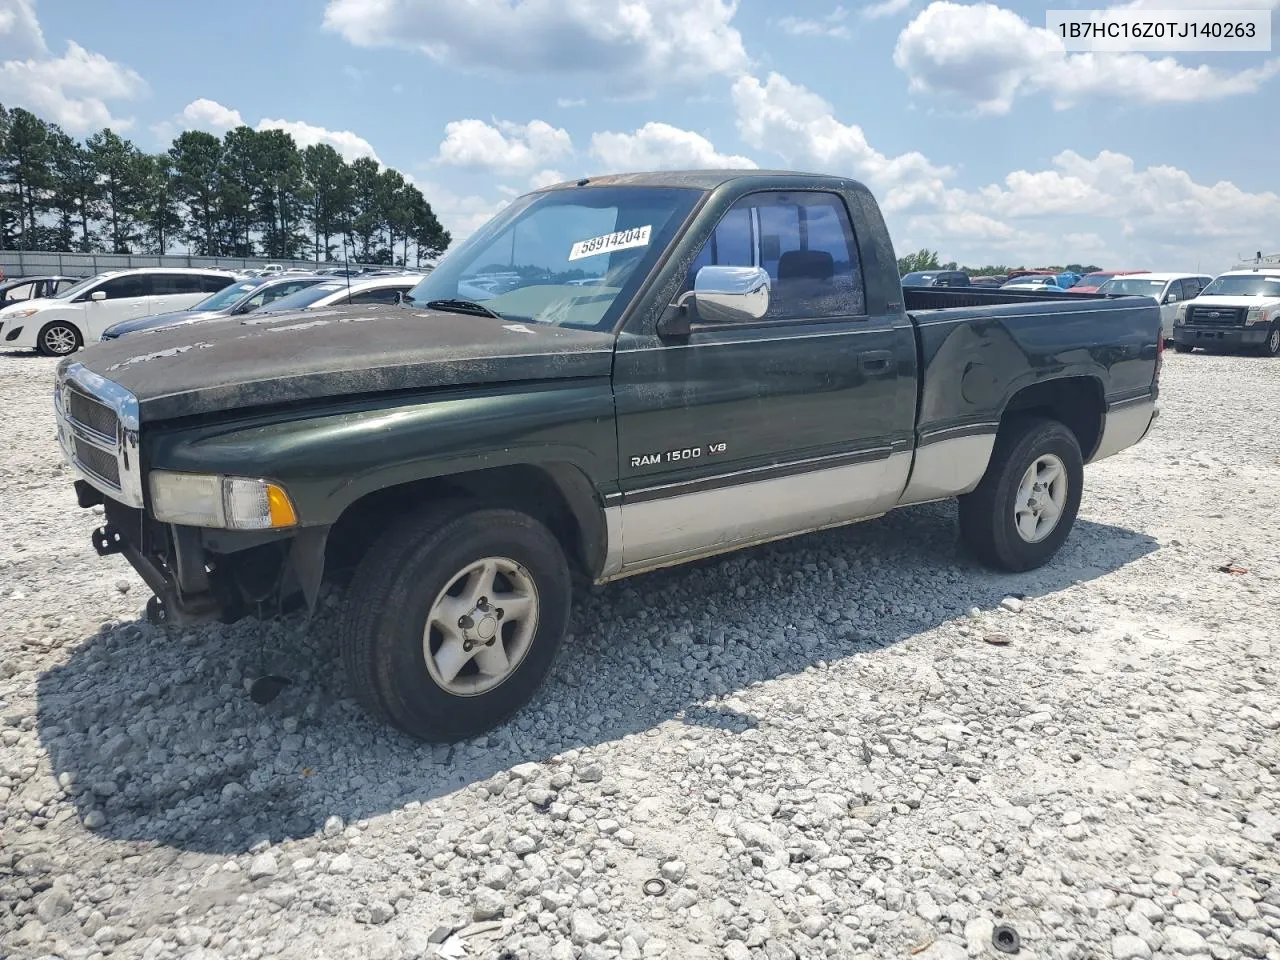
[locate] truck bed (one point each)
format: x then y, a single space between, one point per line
945 298
977 347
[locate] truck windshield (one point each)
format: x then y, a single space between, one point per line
571 257
1244 285
918 279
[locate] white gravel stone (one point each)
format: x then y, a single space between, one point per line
1129 948
815 731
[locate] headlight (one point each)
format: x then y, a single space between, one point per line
234 503
1255 315
19 314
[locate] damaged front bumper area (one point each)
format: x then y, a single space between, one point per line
196 574
199 575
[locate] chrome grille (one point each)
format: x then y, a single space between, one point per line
98 432
98 462
89 413
1217 316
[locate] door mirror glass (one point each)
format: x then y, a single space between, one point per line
98 295
731 294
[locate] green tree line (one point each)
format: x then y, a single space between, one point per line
928 260
249 193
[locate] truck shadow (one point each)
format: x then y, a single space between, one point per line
157 731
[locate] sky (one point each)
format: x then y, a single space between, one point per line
981 137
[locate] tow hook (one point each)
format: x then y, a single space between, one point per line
107 540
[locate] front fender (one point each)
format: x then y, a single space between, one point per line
328 457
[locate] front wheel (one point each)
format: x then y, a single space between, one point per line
1271 347
1182 348
58 339
453 620
1021 513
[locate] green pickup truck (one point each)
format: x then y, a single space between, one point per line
613 375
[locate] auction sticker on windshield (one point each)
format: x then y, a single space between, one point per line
621 240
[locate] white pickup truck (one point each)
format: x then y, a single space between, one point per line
1240 309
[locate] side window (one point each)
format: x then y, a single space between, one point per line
210 284
23 291
276 292
804 241
177 284
1190 288
384 295
122 288
66 285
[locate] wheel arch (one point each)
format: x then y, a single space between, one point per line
1077 402
558 494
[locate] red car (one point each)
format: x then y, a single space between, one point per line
1090 282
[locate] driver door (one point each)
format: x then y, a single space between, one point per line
751 431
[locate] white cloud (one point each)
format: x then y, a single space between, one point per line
544 178
660 146
799 126
213 117
502 147
623 43
565 103
205 114
832 25
349 145
20 33
888 8
988 56
1104 209
460 214
72 90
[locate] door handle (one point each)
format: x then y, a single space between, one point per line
875 361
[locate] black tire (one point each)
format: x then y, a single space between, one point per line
392 593
1271 347
57 339
987 514
1182 348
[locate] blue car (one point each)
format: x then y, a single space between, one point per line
243 296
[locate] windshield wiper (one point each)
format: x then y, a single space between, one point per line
463 306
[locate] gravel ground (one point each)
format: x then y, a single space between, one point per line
852 744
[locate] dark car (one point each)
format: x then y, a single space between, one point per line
243 296
469 463
33 288
936 278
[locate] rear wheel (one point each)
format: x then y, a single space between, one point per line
454 618
58 339
1023 510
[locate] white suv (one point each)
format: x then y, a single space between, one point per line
62 324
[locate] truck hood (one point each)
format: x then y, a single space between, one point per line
239 363
1203 301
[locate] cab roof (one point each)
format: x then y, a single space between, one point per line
696 179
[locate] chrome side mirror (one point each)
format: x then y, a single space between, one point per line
730 294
